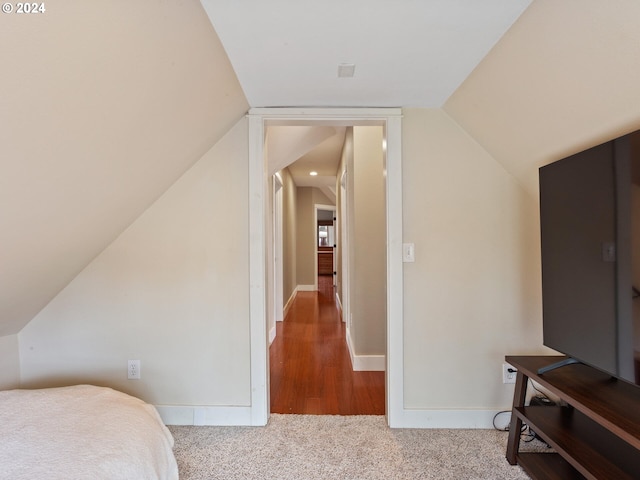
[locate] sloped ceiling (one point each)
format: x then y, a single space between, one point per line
303 149
102 107
324 160
286 144
564 78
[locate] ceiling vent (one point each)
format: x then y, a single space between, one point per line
346 70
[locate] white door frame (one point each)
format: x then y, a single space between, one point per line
278 303
391 120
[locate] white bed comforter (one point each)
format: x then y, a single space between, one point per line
82 432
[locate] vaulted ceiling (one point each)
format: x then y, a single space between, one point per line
407 53
102 107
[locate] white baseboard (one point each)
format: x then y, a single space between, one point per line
481 419
365 363
272 335
409 418
306 288
204 415
287 305
369 363
349 344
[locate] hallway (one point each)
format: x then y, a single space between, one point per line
310 365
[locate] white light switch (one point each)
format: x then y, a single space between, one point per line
408 252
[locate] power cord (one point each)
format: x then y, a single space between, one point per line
506 427
541 394
526 434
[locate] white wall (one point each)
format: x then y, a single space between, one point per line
473 293
172 291
9 362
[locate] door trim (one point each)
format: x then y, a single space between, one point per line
391 120
278 289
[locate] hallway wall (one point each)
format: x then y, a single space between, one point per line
289 229
306 199
368 244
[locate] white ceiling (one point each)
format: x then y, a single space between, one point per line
408 53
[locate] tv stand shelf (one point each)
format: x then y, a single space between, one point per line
595 434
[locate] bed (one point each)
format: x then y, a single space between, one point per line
82 432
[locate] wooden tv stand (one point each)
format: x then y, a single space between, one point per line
596 433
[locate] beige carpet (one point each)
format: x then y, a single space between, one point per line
333 447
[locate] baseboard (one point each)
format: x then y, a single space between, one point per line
365 363
204 415
287 305
349 344
369 363
410 418
272 335
306 288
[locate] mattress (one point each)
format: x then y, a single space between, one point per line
82 432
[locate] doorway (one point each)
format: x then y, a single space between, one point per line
390 120
326 244
315 367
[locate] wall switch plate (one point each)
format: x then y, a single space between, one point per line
133 369
508 376
408 252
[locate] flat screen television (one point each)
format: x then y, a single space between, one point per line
590 240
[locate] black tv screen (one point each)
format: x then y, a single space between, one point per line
590 239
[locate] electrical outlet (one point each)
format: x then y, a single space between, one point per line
508 373
133 370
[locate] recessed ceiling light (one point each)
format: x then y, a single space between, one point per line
346 69
313 174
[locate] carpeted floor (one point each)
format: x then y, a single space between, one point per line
304 447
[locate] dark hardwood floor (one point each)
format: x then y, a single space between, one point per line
310 365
